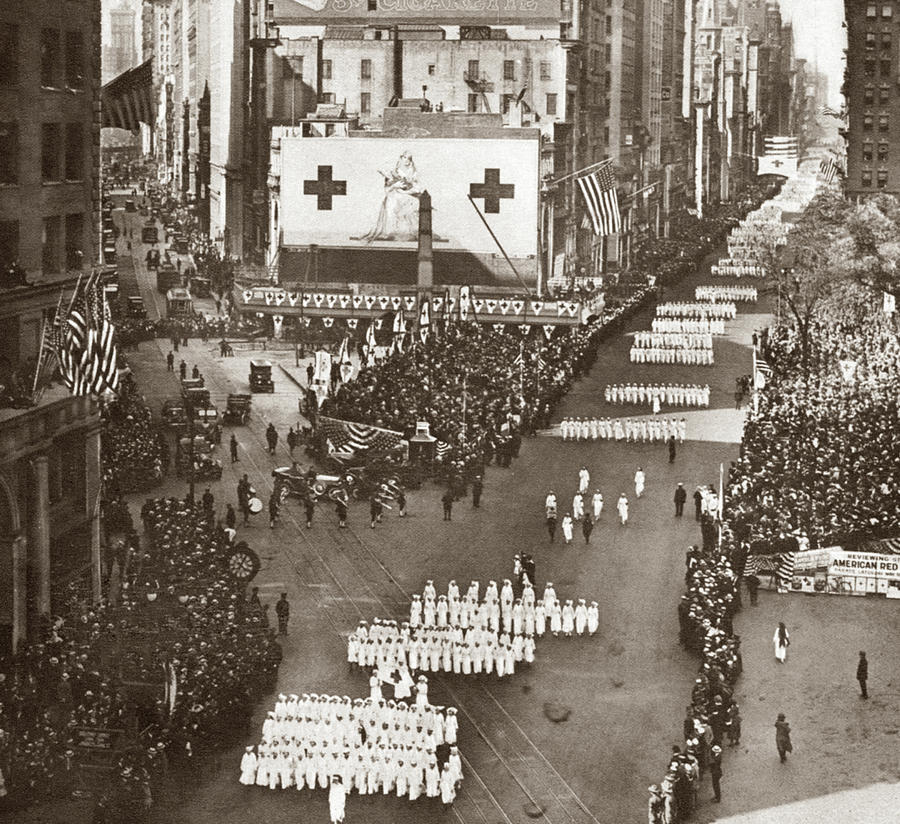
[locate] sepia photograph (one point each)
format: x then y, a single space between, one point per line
449 411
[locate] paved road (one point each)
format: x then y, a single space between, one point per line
626 687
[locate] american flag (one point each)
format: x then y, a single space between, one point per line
602 200
85 341
441 449
829 168
350 436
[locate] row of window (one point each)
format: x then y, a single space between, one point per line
473 69
61 235
884 94
868 151
873 38
869 123
881 178
884 66
62 152
887 11
62 58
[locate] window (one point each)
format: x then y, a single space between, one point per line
9 153
509 69
882 152
869 94
868 122
887 11
606 135
431 69
545 70
608 52
9 244
50 140
365 69
871 11
885 40
506 103
870 39
365 103
49 57
866 178
327 97
869 66
74 151
607 80
608 25
50 251
473 103
886 67
882 123
326 70
9 54
372 5
884 93
74 60
474 70
882 178
74 241
867 152
551 104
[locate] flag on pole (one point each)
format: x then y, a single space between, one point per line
85 340
602 200
762 371
424 319
399 332
344 365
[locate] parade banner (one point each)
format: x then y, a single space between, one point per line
363 192
835 571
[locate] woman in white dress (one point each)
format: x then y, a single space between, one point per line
568 619
781 640
639 482
337 799
577 506
622 509
567 527
556 619
597 502
248 767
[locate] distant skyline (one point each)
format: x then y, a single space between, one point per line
820 38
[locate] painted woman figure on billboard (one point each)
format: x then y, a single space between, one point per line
398 218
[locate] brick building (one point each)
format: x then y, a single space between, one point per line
49 207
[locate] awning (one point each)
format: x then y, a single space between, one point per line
127 100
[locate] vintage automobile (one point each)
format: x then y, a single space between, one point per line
174 413
150 232
167 277
179 303
152 259
296 482
130 206
238 409
135 308
261 376
200 286
206 468
180 244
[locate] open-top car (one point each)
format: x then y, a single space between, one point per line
296 482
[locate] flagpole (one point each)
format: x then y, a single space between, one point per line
594 167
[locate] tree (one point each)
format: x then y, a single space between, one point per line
874 243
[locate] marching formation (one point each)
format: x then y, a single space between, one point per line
646 430
657 394
672 340
682 326
736 294
701 308
689 357
333 742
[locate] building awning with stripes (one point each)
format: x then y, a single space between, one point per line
127 100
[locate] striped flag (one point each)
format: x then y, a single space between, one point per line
829 169
85 341
350 436
602 200
762 371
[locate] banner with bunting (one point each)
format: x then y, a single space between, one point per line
424 319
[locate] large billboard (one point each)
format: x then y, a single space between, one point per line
364 192
450 12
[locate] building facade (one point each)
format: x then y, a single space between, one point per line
120 44
49 209
873 133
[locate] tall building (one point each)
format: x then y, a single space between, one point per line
873 133
49 209
120 47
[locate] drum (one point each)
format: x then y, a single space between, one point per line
256 506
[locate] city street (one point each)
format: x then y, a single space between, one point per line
626 687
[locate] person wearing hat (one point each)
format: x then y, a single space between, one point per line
337 799
680 499
477 489
783 737
715 771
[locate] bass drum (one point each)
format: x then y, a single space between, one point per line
256 506
318 488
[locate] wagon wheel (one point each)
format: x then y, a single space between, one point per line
242 562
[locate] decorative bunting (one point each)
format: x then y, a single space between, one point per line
248 295
369 300
518 306
409 302
548 330
491 305
306 321
499 327
477 305
536 306
293 297
395 302
379 322
357 301
344 301
318 299
268 296
525 328
327 322
307 299
352 323
331 300
504 306
383 302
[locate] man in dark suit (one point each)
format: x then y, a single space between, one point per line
680 498
862 674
